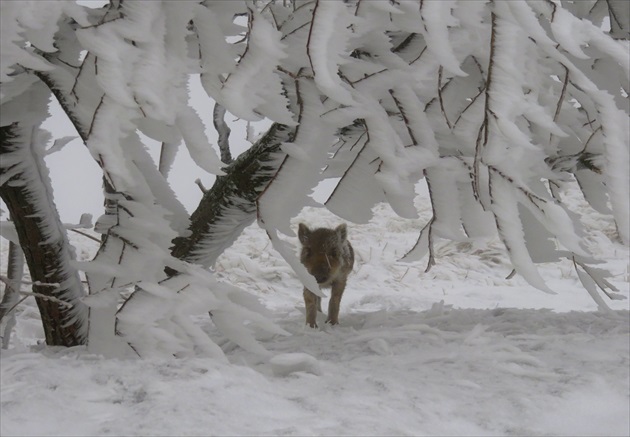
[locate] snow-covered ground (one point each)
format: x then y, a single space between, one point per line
459 350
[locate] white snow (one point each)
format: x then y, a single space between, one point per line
437 18
329 34
457 351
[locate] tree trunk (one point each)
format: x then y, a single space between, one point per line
11 296
43 240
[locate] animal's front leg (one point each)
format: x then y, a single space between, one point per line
311 303
335 300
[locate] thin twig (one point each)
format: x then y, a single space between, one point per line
404 117
203 189
310 35
485 125
86 235
448 123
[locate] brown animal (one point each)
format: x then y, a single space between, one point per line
329 257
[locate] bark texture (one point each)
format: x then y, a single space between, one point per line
230 205
45 255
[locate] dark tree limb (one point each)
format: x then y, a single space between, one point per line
230 205
10 298
45 256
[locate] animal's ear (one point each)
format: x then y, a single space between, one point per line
303 233
342 231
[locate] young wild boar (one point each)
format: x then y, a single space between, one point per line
329 257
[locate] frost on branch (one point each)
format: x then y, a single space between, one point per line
26 190
498 105
117 70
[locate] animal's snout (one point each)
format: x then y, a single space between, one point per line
321 277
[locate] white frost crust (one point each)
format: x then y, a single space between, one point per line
105 141
19 21
614 121
421 248
418 121
300 172
505 209
158 130
114 55
217 58
252 89
616 145
160 327
445 200
395 167
329 35
477 222
556 220
155 320
238 215
437 18
593 189
591 286
539 241
156 181
201 151
358 188
569 33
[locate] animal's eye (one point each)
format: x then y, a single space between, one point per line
333 253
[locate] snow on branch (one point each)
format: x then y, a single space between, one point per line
499 105
327 39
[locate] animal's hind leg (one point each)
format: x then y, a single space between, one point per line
311 303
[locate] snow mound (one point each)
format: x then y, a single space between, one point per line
286 364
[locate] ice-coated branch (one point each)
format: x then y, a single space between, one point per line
439 90
10 298
230 205
222 128
27 194
405 118
619 19
484 129
594 279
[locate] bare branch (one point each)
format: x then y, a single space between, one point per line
404 117
485 125
439 89
310 35
562 94
86 235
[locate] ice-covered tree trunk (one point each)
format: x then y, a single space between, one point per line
10 298
26 192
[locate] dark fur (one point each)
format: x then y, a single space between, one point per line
328 256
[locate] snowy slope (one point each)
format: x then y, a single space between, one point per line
459 350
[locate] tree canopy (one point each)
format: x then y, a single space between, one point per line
495 104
